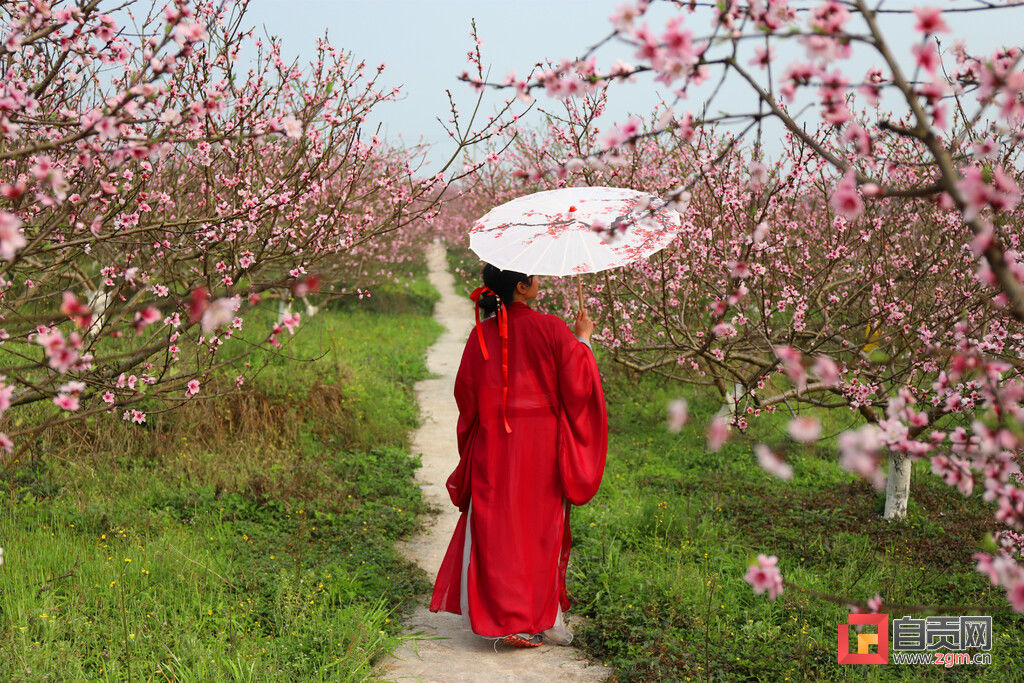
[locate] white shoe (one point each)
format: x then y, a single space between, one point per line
558 636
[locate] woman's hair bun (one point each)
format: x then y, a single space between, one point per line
489 303
503 282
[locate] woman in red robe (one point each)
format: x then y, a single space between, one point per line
532 438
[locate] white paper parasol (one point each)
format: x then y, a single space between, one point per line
566 231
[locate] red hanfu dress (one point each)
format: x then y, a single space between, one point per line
524 456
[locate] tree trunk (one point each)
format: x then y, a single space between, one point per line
728 408
284 307
897 486
98 301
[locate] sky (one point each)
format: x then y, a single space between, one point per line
424 45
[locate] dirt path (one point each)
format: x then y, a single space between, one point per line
454 654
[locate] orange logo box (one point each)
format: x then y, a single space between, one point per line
865 640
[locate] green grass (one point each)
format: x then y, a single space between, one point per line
249 537
465 267
410 295
660 553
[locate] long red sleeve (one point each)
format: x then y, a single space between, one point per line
583 424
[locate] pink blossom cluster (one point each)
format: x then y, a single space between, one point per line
1002 570
765 576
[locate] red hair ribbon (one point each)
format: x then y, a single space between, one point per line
503 332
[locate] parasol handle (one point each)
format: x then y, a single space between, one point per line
579 291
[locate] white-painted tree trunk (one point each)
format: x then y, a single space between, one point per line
728 408
98 301
284 307
897 487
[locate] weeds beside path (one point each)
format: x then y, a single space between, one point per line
248 537
660 553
